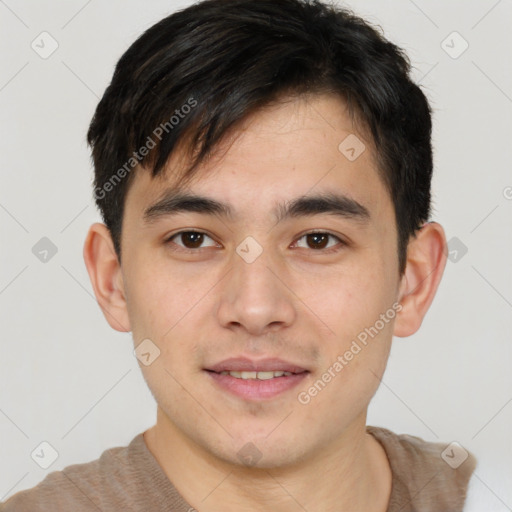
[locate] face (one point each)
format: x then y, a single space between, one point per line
280 283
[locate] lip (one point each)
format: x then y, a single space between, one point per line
255 389
244 364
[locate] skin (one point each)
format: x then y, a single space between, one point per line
295 301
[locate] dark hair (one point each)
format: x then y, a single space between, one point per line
192 76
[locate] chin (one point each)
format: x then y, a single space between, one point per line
260 452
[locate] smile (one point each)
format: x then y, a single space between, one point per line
255 386
257 375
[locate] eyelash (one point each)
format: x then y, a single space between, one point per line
336 248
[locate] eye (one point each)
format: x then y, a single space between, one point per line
191 240
319 240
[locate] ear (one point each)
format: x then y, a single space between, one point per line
106 277
426 260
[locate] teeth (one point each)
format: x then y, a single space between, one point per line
256 375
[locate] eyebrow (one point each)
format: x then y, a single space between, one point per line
175 201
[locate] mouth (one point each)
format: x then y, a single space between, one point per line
256 380
248 375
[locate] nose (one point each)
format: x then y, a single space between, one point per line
255 297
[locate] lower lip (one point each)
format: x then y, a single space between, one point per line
255 389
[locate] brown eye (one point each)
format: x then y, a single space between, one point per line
319 240
190 239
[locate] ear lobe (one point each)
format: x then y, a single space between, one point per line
426 260
106 277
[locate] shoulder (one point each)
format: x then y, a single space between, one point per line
84 487
426 474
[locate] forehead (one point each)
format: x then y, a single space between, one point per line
293 148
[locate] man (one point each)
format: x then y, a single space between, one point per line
263 170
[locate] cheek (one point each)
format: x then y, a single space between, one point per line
351 298
356 353
160 296
167 306
355 356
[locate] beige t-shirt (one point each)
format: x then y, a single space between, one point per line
130 479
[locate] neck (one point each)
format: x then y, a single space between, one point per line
351 474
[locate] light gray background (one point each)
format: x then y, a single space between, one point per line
68 379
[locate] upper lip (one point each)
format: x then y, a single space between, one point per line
244 364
